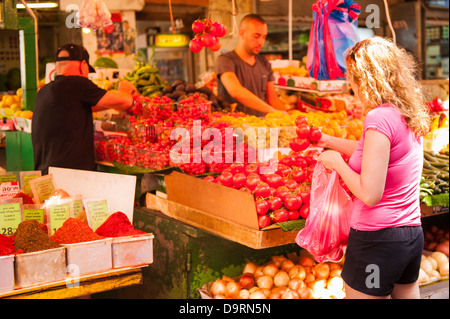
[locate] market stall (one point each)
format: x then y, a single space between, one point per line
208 194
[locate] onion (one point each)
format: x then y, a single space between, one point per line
439 257
274 295
443 248
247 281
281 279
296 283
218 287
426 265
322 271
270 270
335 273
264 281
433 262
423 277
297 272
335 283
277 260
290 294
443 269
305 293
244 294
309 279
306 261
258 272
232 290
434 275
219 297
287 265
334 266
250 267
257 294
431 246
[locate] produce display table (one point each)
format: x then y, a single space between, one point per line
81 286
235 232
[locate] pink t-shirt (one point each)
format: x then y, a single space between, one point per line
400 204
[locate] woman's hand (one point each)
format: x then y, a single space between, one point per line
330 159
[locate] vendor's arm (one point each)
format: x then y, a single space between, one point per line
273 98
120 99
242 95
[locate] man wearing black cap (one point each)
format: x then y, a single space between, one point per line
62 127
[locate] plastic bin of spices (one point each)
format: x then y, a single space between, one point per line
40 267
88 257
132 250
7 273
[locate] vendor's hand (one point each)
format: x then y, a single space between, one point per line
329 159
127 86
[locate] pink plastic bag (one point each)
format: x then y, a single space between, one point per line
326 229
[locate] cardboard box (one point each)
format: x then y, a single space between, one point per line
309 83
40 267
22 124
220 210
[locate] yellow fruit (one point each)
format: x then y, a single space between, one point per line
26 114
2 104
9 100
19 92
17 113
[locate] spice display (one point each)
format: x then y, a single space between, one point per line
6 245
26 199
30 237
118 225
74 231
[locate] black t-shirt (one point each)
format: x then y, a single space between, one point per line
62 127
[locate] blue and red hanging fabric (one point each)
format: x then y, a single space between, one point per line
334 30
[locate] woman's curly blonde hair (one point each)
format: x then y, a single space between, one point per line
386 73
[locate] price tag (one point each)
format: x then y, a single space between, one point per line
10 215
25 178
9 189
32 211
42 187
97 211
57 213
78 207
8 177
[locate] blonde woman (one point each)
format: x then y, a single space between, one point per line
386 239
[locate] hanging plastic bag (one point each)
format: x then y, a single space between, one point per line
334 30
326 229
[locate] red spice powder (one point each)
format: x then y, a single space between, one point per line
6 245
117 225
74 231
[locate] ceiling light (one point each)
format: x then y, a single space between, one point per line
40 5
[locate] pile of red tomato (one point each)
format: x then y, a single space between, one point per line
306 135
280 195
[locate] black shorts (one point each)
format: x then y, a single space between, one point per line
377 260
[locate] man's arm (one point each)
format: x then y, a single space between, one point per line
274 100
120 99
241 94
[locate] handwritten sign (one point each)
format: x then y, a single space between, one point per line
10 215
97 211
42 187
57 213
